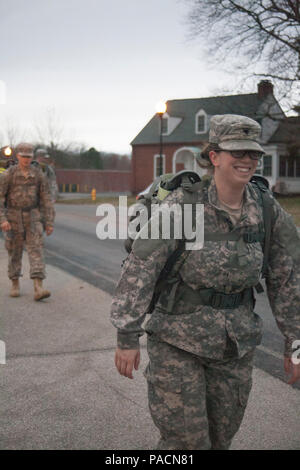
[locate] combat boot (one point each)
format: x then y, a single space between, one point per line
39 292
15 288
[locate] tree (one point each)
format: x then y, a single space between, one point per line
50 131
12 131
263 35
91 159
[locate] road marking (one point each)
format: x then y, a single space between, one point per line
78 265
270 351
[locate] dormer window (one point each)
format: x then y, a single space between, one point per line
201 122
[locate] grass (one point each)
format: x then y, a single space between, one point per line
292 205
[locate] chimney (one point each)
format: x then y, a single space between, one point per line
264 88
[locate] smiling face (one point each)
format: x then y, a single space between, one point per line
235 171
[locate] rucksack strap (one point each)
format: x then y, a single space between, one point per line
205 296
165 273
266 203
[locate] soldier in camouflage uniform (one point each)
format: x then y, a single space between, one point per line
201 350
23 191
42 160
2 166
6 159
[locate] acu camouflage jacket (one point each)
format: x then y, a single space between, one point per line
18 192
223 265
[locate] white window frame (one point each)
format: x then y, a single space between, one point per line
201 112
263 165
156 164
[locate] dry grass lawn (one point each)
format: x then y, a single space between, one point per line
292 206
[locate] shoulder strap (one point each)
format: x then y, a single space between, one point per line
190 197
266 202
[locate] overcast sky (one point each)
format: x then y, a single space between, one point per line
101 65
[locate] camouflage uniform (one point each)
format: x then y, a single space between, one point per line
51 178
201 357
20 201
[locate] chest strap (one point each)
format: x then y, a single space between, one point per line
208 297
248 237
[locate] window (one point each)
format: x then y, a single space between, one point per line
267 168
259 168
201 122
158 164
298 167
282 165
289 166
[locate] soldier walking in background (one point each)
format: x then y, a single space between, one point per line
2 165
6 158
42 160
24 191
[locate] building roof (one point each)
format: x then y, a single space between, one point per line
288 131
186 109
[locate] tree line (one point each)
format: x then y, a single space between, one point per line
90 159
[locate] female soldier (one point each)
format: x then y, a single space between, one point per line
201 350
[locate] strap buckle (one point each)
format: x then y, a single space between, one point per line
224 301
250 237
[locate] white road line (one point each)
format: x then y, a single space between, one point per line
78 265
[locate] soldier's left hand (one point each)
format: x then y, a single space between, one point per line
291 369
48 230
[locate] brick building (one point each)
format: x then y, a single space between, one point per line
185 127
104 181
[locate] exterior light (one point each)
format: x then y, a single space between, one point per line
161 107
7 151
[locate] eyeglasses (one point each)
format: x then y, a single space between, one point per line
25 156
253 154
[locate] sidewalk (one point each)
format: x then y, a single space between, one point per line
60 388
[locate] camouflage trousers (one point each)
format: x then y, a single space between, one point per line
196 403
30 234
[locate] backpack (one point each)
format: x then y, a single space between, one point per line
191 183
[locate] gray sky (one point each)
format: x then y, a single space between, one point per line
101 65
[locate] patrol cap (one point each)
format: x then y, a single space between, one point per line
24 149
40 152
235 132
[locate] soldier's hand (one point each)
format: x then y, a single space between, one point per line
126 360
291 369
48 230
5 226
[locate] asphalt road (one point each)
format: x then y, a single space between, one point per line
75 248
59 385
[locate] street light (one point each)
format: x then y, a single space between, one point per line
161 108
7 151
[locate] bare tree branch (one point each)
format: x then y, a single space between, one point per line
263 34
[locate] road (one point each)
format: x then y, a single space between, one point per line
75 248
59 385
